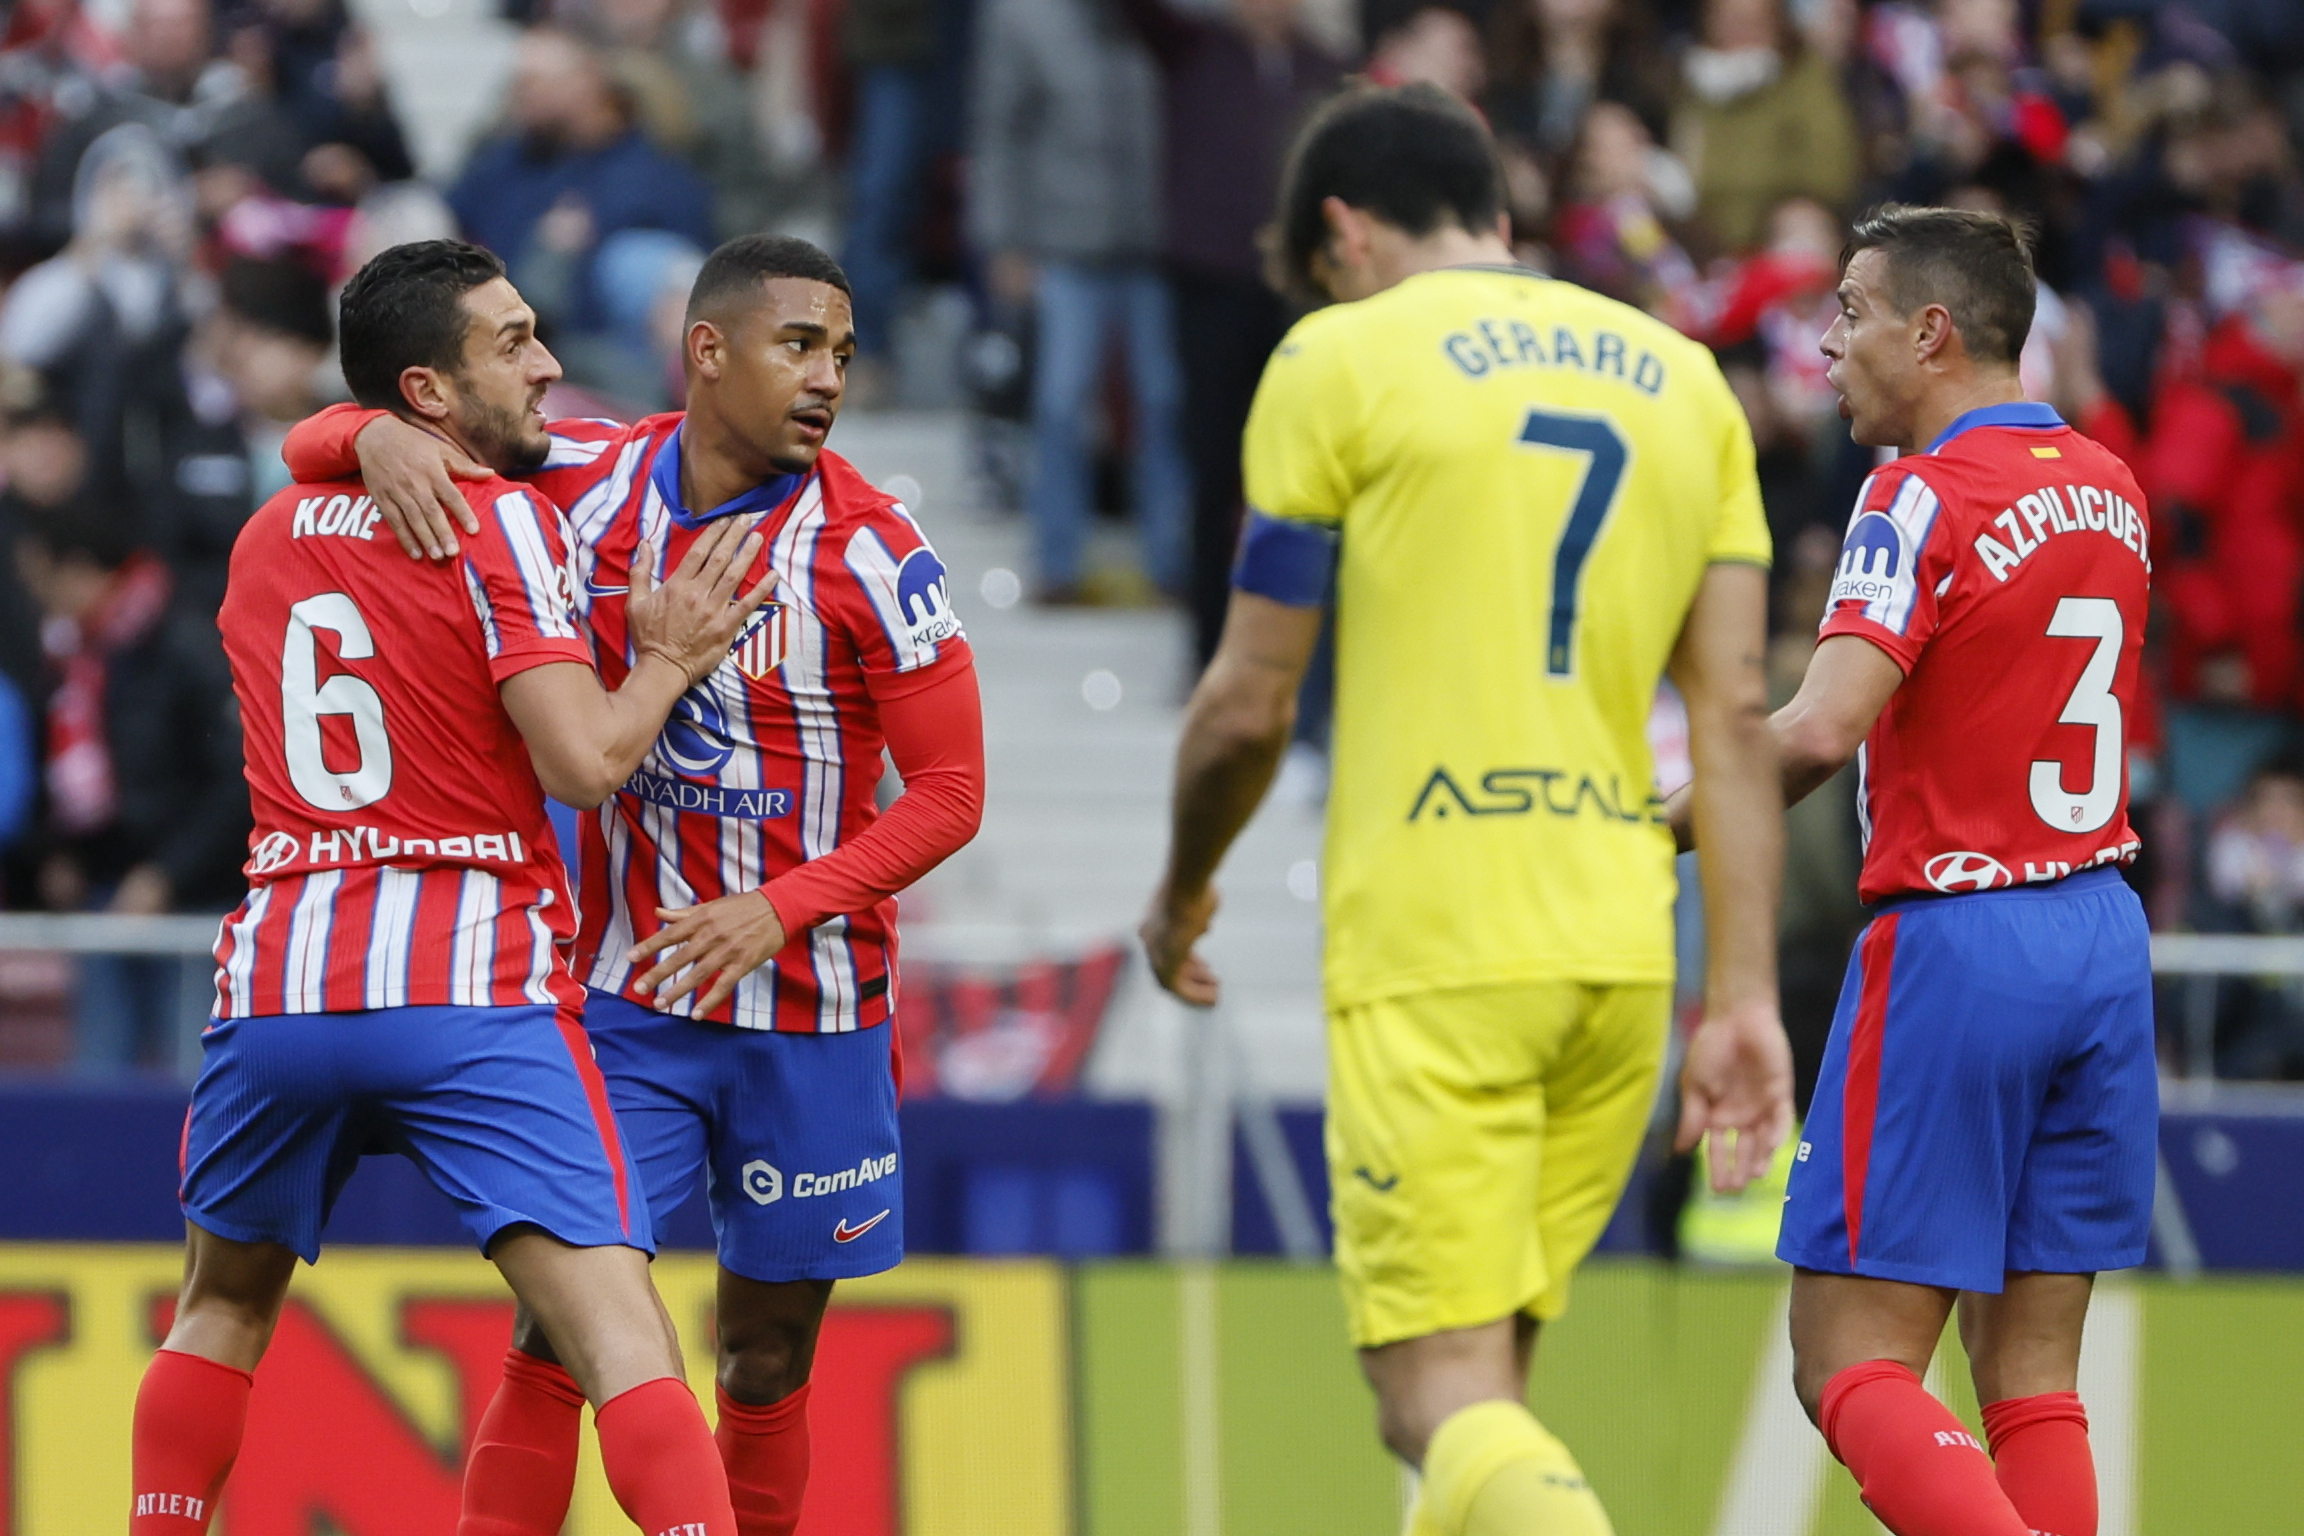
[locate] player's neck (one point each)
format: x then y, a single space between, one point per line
713 470
455 439
1397 260
1955 399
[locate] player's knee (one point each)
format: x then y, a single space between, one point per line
1809 1378
1404 1430
767 1371
765 1360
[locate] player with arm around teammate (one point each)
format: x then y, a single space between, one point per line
1984 1132
1532 502
739 927
398 974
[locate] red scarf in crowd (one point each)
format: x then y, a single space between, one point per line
82 792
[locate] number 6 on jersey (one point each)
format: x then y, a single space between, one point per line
304 699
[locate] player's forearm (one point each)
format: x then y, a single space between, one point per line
634 716
1223 767
1807 752
585 741
933 819
1737 809
320 447
1736 806
935 735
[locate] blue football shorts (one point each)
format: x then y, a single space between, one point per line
794 1136
503 1109
1989 1101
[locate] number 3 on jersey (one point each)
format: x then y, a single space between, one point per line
304 700
2092 704
1605 455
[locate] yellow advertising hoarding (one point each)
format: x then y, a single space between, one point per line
941 1404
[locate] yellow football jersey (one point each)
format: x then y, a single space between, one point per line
1528 480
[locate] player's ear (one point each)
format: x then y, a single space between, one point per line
1934 337
707 349
426 392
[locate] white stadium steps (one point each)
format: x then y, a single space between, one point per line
1076 814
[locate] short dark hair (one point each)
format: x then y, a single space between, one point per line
741 265
1977 265
405 309
1414 156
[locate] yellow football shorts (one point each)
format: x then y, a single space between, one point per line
1478 1141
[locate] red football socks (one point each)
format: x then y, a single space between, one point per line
522 1469
190 1413
766 1450
661 1465
1922 1473
2040 1445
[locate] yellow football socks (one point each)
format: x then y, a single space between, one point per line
1492 1470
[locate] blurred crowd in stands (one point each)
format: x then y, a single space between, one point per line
1057 205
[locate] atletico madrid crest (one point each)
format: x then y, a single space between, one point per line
759 647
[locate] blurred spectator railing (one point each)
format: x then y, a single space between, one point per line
102 933
2195 960
2201 960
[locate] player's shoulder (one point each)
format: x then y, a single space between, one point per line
853 502
578 441
2093 460
1324 335
873 535
496 494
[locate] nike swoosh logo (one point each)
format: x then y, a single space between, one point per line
1381 1186
845 1233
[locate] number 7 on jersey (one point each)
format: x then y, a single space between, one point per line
1605 455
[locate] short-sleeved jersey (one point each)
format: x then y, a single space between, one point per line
1529 481
401 855
775 758
2006 571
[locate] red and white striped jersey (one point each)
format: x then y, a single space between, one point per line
401 855
775 758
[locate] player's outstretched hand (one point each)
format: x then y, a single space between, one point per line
413 476
1736 1087
720 942
696 615
1169 932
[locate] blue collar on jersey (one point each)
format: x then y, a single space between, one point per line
664 474
2017 413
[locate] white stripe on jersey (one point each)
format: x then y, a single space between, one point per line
308 928
391 938
568 452
610 970
817 718
662 825
478 591
589 519
516 514
876 569
743 845
1863 802
235 975
1913 511
539 959
472 956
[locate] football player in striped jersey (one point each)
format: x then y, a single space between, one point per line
398 974
738 893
